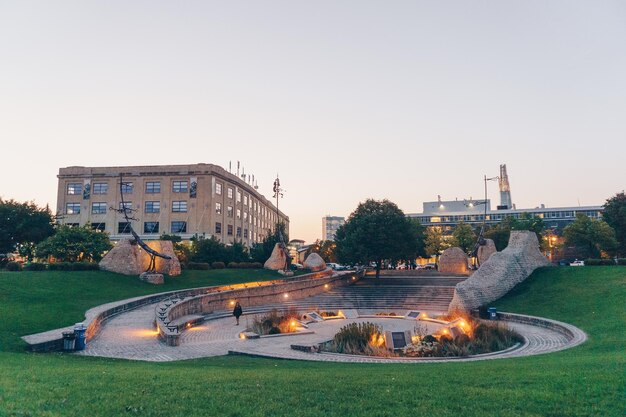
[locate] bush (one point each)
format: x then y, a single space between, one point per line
356 338
275 322
218 265
74 266
233 265
621 261
599 262
259 265
35 266
14 266
198 266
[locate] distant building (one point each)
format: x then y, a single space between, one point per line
448 214
185 200
330 224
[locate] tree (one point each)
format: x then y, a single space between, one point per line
207 250
593 237
615 216
261 252
22 225
326 249
434 242
464 237
74 244
375 231
501 232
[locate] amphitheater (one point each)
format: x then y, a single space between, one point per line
126 329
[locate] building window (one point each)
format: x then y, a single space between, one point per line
179 206
218 208
245 216
218 228
153 187
98 227
151 227
239 196
238 214
123 227
180 186
127 187
72 224
245 233
218 188
126 206
100 188
72 208
153 207
245 200
239 232
229 230
179 227
230 193
229 211
98 208
74 188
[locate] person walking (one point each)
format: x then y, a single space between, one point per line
237 312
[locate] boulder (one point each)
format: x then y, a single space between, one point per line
500 273
453 261
315 263
278 259
128 258
485 251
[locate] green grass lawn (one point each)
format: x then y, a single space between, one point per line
588 380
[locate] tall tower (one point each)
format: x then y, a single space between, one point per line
505 190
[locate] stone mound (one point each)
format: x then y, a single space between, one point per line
129 259
315 263
453 261
278 259
485 251
502 271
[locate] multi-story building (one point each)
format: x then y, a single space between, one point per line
330 224
186 200
447 214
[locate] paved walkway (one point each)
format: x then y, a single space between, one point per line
132 336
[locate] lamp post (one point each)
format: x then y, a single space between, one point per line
481 240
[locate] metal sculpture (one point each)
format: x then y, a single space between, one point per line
125 211
278 193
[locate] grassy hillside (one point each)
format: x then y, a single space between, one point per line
588 380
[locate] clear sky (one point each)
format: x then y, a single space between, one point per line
347 100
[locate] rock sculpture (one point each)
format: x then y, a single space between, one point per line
278 259
315 263
485 251
453 261
129 259
500 273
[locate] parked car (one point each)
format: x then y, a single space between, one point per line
296 266
429 266
577 263
336 267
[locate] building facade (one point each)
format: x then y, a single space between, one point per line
447 214
186 200
330 224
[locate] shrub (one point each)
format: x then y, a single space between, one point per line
275 322
198 266
218 265
14 266
358 338
599 262
233 265
259 265
74 266
35 266
621 261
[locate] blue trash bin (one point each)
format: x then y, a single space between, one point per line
493 314
81 336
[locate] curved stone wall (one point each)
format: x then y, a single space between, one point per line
502 271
